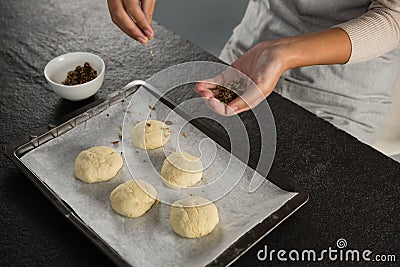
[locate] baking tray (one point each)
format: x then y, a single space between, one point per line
17 149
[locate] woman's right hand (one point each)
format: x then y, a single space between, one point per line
133 17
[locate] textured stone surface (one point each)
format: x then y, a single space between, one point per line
354 190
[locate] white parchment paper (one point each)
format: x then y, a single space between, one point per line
149 240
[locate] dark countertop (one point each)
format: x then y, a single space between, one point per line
354 190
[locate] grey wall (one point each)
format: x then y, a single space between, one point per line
207 23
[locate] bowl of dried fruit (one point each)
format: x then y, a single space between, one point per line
75 76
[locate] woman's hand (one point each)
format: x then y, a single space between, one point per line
265 63
133 17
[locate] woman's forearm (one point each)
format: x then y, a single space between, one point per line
370 35
331 46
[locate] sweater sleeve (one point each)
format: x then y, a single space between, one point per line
375 32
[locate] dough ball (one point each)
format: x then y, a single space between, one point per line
98 164
181 169
133 198
150 134
193 217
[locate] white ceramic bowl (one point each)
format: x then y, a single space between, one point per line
56 72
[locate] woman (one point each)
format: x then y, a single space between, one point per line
338 59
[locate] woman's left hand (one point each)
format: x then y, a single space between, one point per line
263 64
